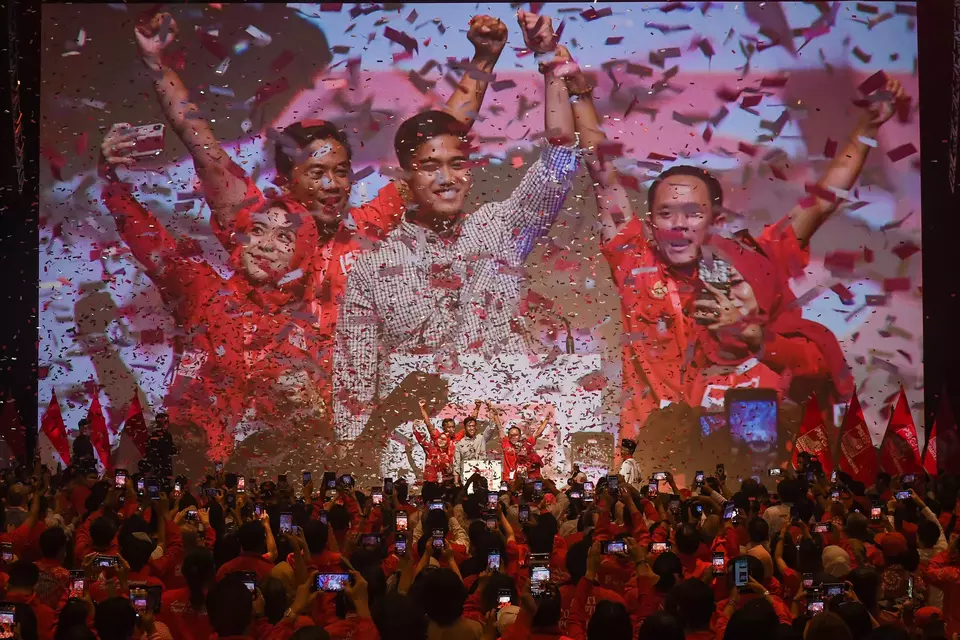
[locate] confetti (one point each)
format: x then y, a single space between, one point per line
901 152
592 14
830 148
905 249
407 42
843 293
862 56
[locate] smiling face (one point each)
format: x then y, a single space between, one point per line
440 178
449 426
321 181
513 435
268 251
681 215
470 427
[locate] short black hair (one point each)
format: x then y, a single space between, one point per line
691 601
714 189
52 542
759 530
115 619
102 531
443 596
422 127
23 574
304 135
252 537
230 606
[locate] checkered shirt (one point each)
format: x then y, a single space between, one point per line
420 293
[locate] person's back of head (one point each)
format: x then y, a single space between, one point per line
443 597
866 584
253 539
274 599
230 606
198 572
76 632
756 619
688 539
53 543
102 532
827 626
27 621
540 536
115 619
788 490
22 575
758 530
136 549
310 633
549 609
856 617
669 569
891 631
401 618
316 534
928 534
610 621
339 518
691 601
661 626
73 614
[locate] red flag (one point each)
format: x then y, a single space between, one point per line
813 438
51 425
947 444
11 429
930 451
858 457
135 426
899 451
99 437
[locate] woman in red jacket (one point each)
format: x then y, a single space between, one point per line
184 610
246 354
439 448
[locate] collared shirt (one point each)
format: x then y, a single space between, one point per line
421 293
474 448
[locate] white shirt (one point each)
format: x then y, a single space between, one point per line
630 470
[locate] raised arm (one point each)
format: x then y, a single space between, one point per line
613 202
495 416
355 359
488 35
224 187
533 206
543 425
845 168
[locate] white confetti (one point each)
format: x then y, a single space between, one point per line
261 39
870 142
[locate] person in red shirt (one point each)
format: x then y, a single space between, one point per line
519 454
673 322
184 610
253 551
20 589
314 168
943 572
439 449
54 580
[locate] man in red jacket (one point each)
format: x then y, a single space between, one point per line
943 572
253 551
20 589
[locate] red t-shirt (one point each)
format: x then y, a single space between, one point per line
184 621
520 458
247 561
658 326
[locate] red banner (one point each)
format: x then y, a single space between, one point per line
99 437
813 438
899 451
135 427
858 457
51 425
930 451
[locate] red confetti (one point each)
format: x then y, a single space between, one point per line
332 7
281 61
614 40
751 101
867 8
830 149
841 260
707 134
748 149
896 284
901 152
905 249
843 293
401 38
728 95
212 44
862 56
867 255
661 157
592 14
873 83
82 144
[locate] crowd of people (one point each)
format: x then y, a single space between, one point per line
124 556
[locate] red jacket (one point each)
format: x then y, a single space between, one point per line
943 572
439 462
46 617
185 622
522 629
353 628
247 561
53 587
238 337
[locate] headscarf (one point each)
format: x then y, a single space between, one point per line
779 313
